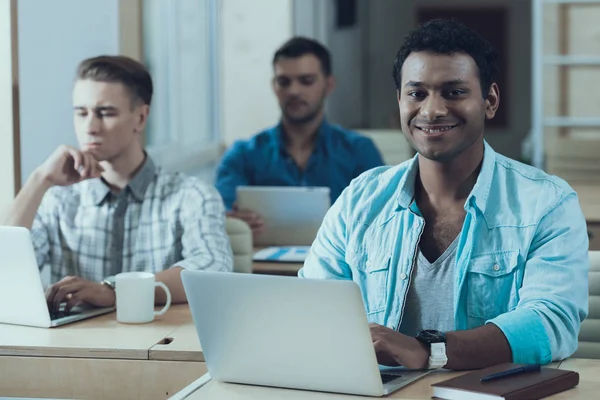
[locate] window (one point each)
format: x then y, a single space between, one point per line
180 50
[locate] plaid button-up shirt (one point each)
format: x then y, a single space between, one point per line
158 221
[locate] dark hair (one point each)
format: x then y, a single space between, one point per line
447 36
120 69
299 46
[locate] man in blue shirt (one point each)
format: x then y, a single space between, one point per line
303 149
464 258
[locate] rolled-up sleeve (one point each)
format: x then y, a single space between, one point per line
553 300
326 259
231 173
205 244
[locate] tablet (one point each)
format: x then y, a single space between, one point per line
292 214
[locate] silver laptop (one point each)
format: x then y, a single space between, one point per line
292 214
288 332
21 292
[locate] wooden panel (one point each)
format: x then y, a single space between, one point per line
130 29
10 175
100 337
181 345
70 378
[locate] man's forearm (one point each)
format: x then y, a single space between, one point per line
24 207
477 348
172 278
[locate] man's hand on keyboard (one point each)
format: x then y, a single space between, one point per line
393 348
75 290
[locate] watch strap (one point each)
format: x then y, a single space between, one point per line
438 358
110 282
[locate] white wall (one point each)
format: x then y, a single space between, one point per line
54 36
250 32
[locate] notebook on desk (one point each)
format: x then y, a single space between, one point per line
294 254
528 385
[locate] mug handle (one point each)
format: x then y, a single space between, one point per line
168 302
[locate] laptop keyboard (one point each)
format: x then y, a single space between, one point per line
54 315
385 378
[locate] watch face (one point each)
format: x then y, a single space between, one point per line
431 336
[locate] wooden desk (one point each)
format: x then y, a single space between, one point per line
589 371
181 345
274 268
95 358
589 379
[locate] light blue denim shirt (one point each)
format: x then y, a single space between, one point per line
522 261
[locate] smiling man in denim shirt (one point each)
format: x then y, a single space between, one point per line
464 258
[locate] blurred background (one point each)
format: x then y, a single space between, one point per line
211 65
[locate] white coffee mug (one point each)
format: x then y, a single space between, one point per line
135 297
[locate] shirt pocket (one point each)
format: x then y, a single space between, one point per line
492 281
371 273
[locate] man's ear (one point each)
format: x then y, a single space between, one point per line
143 111
330 83
273 83
492 101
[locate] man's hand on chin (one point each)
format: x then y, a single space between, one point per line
393 348
75 290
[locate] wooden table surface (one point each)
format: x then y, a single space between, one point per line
181 345
99 337
96 358
589 387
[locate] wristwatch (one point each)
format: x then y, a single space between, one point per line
437 342
110 282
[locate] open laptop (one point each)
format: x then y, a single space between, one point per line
292 214
288 332
22 297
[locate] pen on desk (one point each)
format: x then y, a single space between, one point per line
511 372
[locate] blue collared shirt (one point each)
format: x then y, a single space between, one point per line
339 156
522 261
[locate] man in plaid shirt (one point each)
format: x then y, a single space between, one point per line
106 208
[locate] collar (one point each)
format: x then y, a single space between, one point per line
479 194
278 138
99 190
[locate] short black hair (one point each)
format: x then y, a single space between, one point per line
119 69
299 46
448 36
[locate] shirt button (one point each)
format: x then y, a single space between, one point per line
403 276
496 267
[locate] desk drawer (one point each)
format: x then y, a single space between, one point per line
594 235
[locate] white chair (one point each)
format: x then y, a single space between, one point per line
391 144
240 237
589 335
